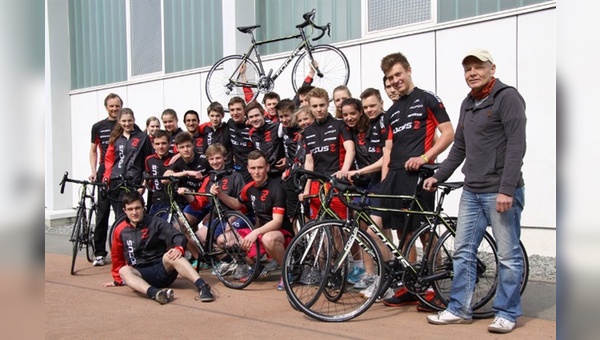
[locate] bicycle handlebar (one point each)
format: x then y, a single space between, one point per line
66 179
308 21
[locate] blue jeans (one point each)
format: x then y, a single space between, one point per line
475 213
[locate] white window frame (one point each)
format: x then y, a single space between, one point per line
147 76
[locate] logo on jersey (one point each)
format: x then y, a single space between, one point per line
402 128
416 124
263 195
135 142
131 252
224 184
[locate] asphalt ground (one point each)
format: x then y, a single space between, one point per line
77 306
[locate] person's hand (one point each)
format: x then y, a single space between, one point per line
174 158
173 254
351 174
215 189
341 174
503 203
430 184
249 240
183 191
92 177
280 165
414 163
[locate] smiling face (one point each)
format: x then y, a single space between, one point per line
256 118
270 106
350 115
152 126
134 212
191 123
170 122
236 111
372 106
339 96
113 106
258 169
400 78
391 92
285 118
127 122
478 73
304 119
217 161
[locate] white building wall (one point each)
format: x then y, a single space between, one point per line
523 47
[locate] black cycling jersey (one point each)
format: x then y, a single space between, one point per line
197 163
100 136
231 185
266 200
412 122
156 166
144 244
173 147
126 156
325 141
291 139
266 139
241 144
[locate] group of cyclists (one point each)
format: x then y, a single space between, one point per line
264 143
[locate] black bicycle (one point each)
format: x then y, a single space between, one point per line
82 234
235 75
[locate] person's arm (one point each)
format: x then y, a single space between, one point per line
369 169
445 139
109 161
348 158
309 164
385 159
117 257
93 161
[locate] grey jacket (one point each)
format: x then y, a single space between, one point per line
490 138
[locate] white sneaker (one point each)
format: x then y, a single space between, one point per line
367 292
446 318
501 325
365 281
388 294
99 261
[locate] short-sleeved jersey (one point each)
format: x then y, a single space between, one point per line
173 147
156 166
199 142
231 185
241 144
197 163
266 200
213 135
100 136
325 141
266 139
412 122
126 156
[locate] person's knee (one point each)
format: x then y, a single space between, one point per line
272 239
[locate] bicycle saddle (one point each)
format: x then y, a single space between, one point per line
247 29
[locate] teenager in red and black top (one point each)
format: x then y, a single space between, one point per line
239 136
170 122
147 254
191 119
329 148
265 136
156 164
127 151
267 198
215 130
100 137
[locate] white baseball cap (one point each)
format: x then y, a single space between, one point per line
480 54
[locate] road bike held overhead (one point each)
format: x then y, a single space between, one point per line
239 75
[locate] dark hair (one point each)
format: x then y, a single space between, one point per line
111 96
363 121
160 134
254 105
286 105
305 89
371 92
131 197
217 107
169 112
191 112
183 137
392 59
384 80
256 154
235 100
271 95
118 129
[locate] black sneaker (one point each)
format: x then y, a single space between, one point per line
205 294
164 295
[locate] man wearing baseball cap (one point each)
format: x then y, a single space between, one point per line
490 139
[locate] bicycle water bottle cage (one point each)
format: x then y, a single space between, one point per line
247 29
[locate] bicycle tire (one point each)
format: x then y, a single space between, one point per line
333 64
164 214
335 286
307 295
76 236
486 311
89 233
112 230
219 86
487 270
238 270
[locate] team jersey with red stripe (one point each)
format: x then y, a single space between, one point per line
126 156
325 141
241 144
266 139
412 122
100 136
231 185
266 200
291 140
156 166
197 163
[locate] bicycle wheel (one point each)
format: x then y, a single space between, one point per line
221 80
113 227
89 234
486 311
233 265
76 235
332 63
335 285
487 270
310 271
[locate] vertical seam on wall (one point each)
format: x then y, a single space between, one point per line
435 58
517 51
